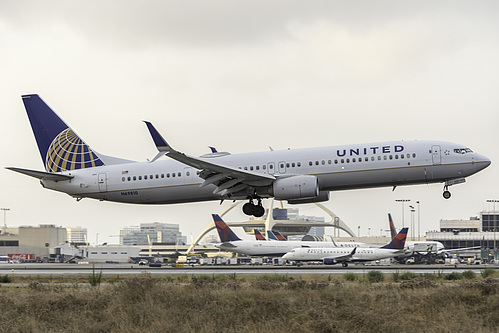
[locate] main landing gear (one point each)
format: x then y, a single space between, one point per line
250 208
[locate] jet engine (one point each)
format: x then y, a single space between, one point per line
295 188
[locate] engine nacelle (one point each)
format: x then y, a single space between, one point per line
329 261
323 196
296 187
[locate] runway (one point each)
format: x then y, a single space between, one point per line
133 269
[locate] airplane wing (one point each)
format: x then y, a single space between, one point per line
229 180
344 257
460 249
42 175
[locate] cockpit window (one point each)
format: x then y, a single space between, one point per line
463 150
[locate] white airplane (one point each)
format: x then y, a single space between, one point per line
230 242
421 247
331 256
295 175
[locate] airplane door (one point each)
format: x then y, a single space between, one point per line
435 155
102 182
282 167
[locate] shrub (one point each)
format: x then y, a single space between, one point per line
454 276
350 276
5 279
375 276
408 276
468 274
487 272
95 279
396 276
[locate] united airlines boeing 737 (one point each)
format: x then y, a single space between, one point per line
295 175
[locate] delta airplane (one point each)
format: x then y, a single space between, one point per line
416 246
232 243
332 256
295 175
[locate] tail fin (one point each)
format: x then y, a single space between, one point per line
392 226
398 242
271 235
224 231
258 235
279 236
60 148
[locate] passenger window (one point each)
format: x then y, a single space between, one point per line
391 157
402 156
287 165
335 161
348 160
129 179
162 175
310 163
379 158
167 175
151 177
396 157
342 161
298 164
323 162
414 155
384 157
180 174
264 167
258 167
123 179
251 168
140 177
187 173
408 155
271 166
145 177
354 160
134 178
328 161
245 168
316 162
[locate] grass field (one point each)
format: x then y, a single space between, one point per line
268 303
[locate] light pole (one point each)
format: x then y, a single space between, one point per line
419 220
495 222
358 231
402 201
412 220
5 218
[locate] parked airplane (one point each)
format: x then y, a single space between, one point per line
332 256
230 242
258 235
421 247
296 175
279 236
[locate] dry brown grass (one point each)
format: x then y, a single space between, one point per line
231 304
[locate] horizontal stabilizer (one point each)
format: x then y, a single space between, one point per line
41 174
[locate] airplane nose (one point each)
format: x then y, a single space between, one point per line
482 161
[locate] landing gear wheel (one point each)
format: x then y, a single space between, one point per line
249 208
344 264
446 194
259 211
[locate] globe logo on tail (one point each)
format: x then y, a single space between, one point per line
68 152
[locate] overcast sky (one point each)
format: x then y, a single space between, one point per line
242 76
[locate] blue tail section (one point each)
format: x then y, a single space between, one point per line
398 242
60 148
271 235
224 231
258 234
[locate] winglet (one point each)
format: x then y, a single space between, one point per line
159 141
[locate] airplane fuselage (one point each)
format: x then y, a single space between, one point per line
334 254
277 248
336 168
